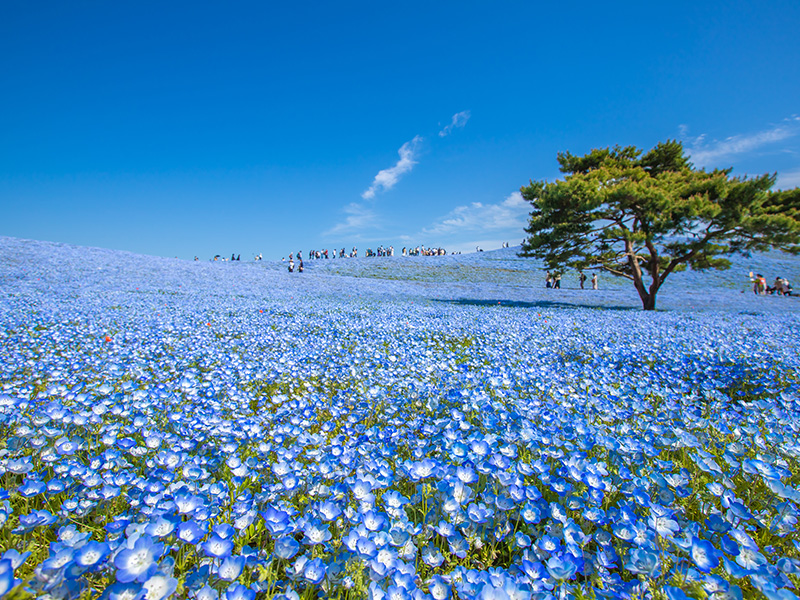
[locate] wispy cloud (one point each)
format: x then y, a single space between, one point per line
459 120
705 153
788 180
387 178
358 218
511 213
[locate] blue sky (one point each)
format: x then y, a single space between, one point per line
182 129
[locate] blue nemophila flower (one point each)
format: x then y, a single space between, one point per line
57 485
394 499
445 529
749 557
37 518
534 571
438 588
431 556
316 532
329 511
717 524
607 558
365 547
17 559
116 527
522 540
138 562
531 513
188 503
396 592
362 491
276 521
191 532
506 589
237 591
314 571
5 512
231 567
763 468
373 520
662 522
458 546
21 465
217 547
558 512
675 593
422 469
161 527
159 587
205 593
7 580
466 474
59 557
704 554
479 513
595 514
286 547
91 555
643 561
124 591
549 544
31 488
65 446
224 530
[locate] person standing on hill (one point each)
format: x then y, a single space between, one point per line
594 281
582 279
760 285
557 281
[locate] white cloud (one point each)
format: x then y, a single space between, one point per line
787 181
459 120
387 178
708 154
358 217
511 213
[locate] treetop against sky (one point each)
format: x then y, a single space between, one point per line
196 129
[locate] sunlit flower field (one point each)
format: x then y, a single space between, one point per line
392 428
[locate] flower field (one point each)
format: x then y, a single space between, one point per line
395 428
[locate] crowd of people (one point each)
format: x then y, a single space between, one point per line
781 287
553 280
300 266
342 253
324 254
423 251
379 251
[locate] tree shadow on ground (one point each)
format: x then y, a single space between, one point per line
534 304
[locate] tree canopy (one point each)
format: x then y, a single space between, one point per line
637 215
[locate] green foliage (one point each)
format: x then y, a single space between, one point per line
635 215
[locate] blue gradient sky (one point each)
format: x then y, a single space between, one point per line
182 129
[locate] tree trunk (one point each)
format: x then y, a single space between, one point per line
648 298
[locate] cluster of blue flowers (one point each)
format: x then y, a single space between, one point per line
172 429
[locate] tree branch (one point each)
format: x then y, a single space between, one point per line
616 272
